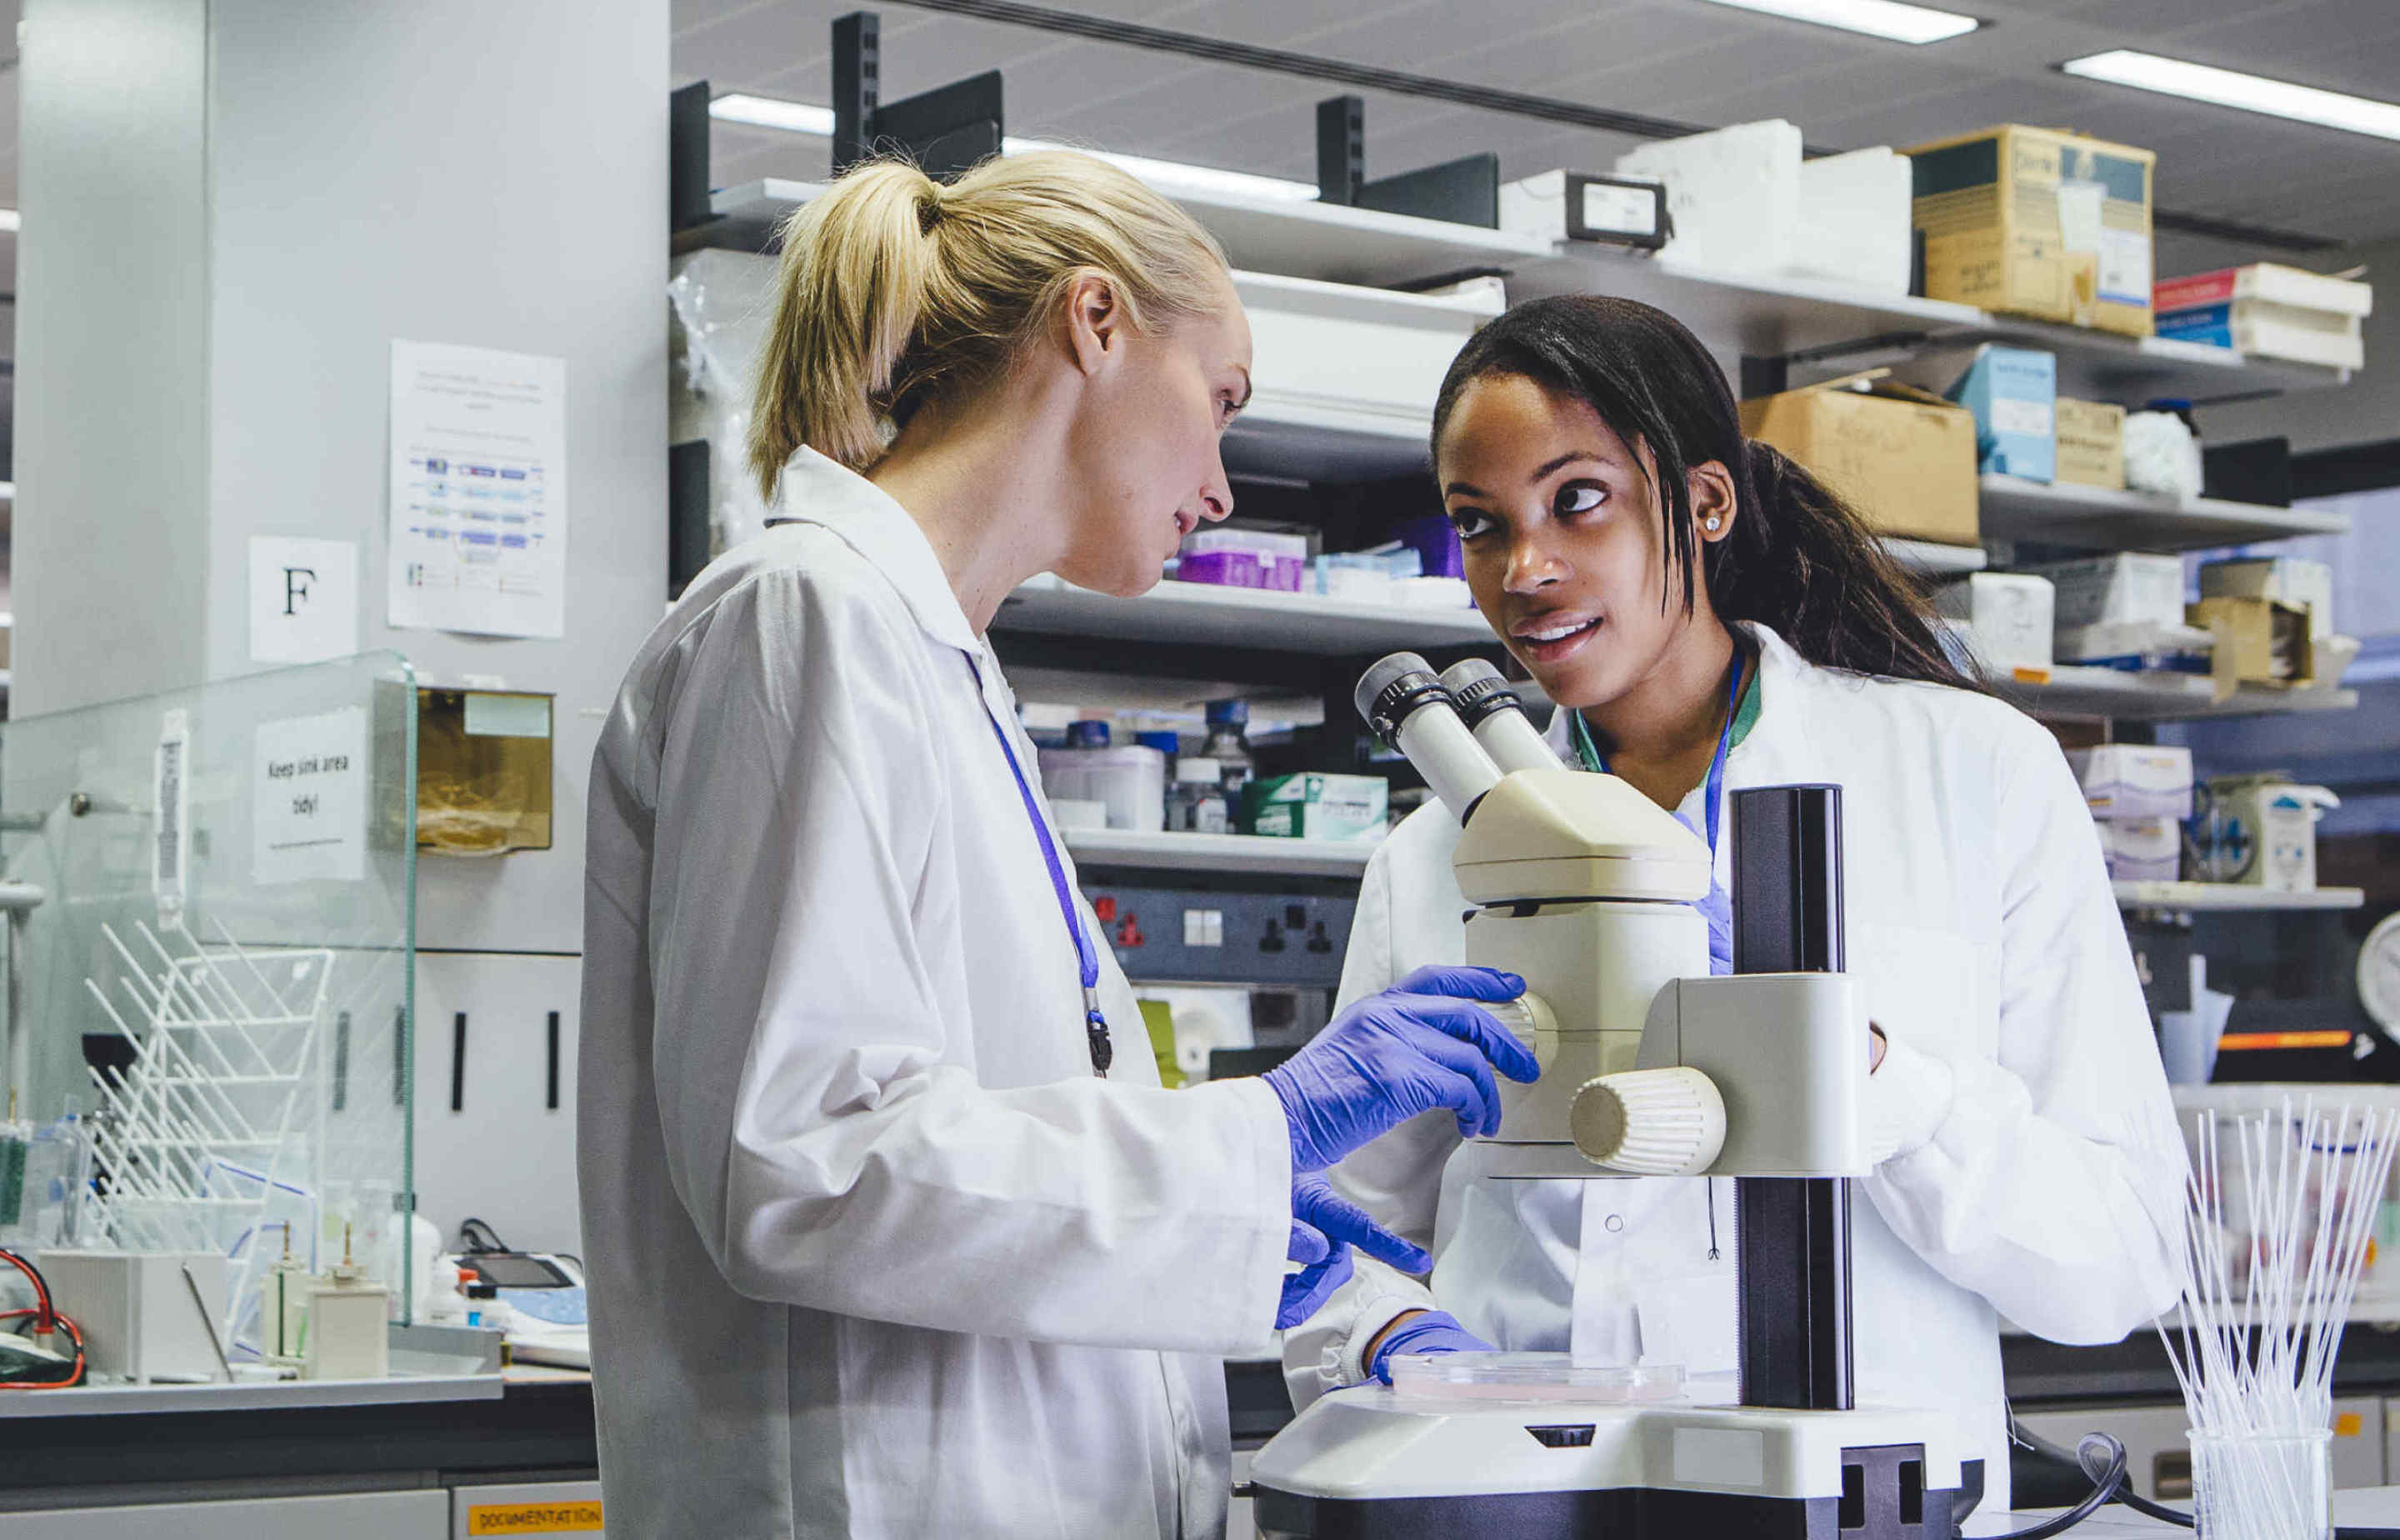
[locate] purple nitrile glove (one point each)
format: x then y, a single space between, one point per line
1435 1331
1325 1266
1423 1043
1344 1223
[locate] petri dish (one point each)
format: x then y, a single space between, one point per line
1529 1377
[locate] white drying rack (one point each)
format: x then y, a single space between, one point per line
223 1107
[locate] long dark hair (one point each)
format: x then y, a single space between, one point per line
1799 559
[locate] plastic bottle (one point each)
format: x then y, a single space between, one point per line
1196 803
1228 744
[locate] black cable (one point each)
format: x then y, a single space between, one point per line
469 1228
2106 1480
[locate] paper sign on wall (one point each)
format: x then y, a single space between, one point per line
304 599
309 798
478 518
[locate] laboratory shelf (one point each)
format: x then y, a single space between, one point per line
1766 315
2228 897
1208 615
1245 854
126 1400
1296 238
2068 690
2098 519
1935 560
2103 366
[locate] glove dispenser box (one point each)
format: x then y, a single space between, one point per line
483 771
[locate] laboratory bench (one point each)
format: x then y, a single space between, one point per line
403 1459
406 1455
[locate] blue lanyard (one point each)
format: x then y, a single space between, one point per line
1087 960
1713 795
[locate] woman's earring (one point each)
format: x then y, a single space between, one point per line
1715 521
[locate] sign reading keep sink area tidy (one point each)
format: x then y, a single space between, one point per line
309 798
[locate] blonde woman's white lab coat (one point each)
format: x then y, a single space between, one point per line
2028 1156
871 1252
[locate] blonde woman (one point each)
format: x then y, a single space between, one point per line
892 1230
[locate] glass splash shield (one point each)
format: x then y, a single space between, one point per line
209 961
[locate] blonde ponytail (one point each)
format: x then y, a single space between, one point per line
895 288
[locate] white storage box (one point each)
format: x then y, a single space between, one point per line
1734 192
2286 579
2134 779
2141 849
1854 219
2136 645
2123 588
1337 356
2006 616
136 1313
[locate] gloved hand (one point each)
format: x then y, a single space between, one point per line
1422 1044
1434 1332
1314 1203
1325 1267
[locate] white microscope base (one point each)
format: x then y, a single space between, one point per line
1364 1463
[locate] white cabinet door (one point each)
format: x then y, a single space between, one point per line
352 1516
495 1045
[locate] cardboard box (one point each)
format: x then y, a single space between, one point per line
2124 781
2141 849
1348 808
2091 443
2124 589
2038 222
2013 392
2258 641
2286 579
2007 616
1904 457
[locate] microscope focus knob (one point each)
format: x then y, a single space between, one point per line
1650 1123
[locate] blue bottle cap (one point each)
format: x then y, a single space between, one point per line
1228 713
1165 743
1087 735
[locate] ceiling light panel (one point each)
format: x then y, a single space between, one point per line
2232 88
1885 19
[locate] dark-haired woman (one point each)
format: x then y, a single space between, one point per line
1710 616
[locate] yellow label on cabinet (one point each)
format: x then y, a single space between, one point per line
533 1518
2348 1426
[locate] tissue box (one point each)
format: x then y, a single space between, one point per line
2129 781
2286 579
2038 222
2012 393
2141 850
1346 808
2124 588
2008 614
2091 443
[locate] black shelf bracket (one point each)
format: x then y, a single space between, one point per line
1466 191
945 131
